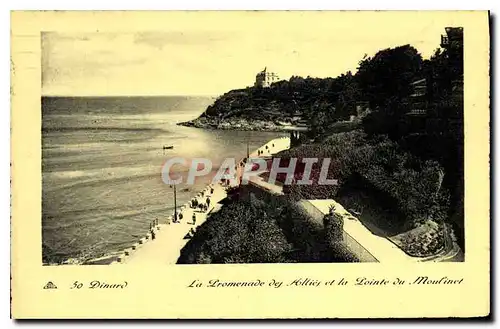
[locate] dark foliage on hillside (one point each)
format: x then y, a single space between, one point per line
253 231
290 100
412 164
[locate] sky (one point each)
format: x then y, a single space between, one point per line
198 60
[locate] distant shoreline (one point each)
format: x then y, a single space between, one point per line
240 124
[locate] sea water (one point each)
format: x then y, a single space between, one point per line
101 168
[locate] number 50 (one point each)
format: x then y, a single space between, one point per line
77 285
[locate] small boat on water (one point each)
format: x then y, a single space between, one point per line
165 147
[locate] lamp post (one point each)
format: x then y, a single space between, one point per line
175 202
248 151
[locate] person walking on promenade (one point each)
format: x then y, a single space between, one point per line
211 190
180 216
194 219
153 235
208 202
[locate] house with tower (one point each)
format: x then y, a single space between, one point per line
265 78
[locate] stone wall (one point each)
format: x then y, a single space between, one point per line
253 190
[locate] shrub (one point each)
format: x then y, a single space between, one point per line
239 233
334 228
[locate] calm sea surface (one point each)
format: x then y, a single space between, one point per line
101 163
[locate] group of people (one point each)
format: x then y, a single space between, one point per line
225 182
201 206
197 204
260 152
152 226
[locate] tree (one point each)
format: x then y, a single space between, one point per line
387 76
385 81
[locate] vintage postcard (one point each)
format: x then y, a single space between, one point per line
260 164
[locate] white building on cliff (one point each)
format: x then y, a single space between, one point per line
264 78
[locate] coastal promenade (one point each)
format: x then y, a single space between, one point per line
170 237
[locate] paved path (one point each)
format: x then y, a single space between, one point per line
381 248
169 238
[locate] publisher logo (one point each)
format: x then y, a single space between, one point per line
304 171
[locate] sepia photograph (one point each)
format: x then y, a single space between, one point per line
282 152
227 164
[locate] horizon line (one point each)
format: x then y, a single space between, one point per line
180 95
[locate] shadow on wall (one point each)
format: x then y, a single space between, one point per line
311 242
